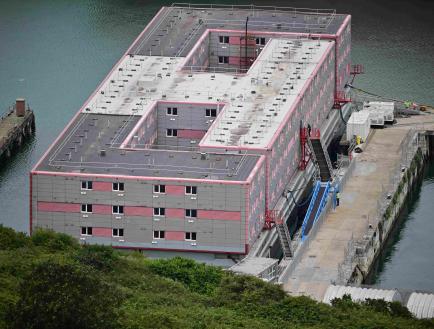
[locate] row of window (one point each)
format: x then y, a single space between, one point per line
189 213
189 236
173 111
87 208
224 39
119 233
116 232
88 185
189 190
120 187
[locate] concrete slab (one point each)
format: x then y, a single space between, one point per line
358 202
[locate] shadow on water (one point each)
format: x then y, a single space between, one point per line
17 157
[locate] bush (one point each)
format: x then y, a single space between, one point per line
247 290
65 296
99 257
53 241
9 239
391 308
197 277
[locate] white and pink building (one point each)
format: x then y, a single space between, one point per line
194 133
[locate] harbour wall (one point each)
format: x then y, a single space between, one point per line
360 254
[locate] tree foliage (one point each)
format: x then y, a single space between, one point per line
56 295
50 281
197 277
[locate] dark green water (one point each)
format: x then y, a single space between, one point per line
54 53
408 252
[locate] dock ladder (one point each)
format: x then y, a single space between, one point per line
282 232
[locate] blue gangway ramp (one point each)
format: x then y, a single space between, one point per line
316 205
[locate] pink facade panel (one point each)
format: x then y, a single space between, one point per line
102 186
138 211
175 190
234 60
175 213
219 214
102 231
189 133
58 207
175 235
101 209
236 40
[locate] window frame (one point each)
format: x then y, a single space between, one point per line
190 213
118 234
173 132
191 187
160 210
190 236
160 236
120 187
158 187
223 39
86 229
211 113
86 184
260 41
223 59
172 111
86 206
119 208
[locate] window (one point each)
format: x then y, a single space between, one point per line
211 113
118 232
159 211
86 185
190 236
87 208
158 234
224 39
160 189
118 210
223 60
191 213
260 41
172 133
191 190
172 111
86 230
118 187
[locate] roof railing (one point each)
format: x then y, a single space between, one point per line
295 10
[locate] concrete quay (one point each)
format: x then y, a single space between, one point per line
15 125
364 199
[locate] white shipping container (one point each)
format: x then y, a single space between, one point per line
387 108
376 118
358 125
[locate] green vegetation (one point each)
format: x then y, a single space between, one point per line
50 281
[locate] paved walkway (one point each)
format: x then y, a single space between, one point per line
319 266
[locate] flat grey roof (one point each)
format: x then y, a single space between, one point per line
177 29
79 150
124 98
